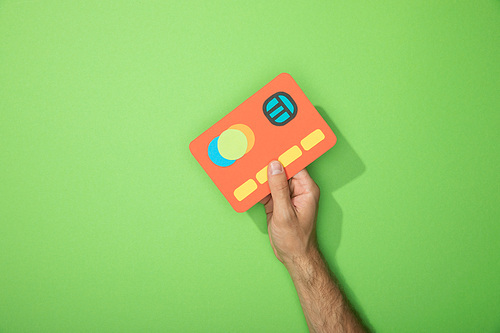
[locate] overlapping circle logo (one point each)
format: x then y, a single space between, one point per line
231 145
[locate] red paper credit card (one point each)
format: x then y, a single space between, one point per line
277 122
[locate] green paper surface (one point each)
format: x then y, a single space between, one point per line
108 224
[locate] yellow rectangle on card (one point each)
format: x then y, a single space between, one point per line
290 155
312 139
245 189
262 175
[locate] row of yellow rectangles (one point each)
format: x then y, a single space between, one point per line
311 140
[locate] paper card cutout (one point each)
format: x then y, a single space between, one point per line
277 122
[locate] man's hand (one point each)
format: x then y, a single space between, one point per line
291 210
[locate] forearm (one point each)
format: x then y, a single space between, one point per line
324 306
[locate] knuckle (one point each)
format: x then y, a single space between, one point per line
280 186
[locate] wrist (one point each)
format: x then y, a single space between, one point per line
301 266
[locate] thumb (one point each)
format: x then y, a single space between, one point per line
280 190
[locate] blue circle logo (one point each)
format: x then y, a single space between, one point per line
280 108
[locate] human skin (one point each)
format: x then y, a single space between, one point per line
291 211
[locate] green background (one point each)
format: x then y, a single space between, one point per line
108 224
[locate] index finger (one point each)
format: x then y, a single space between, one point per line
302 175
